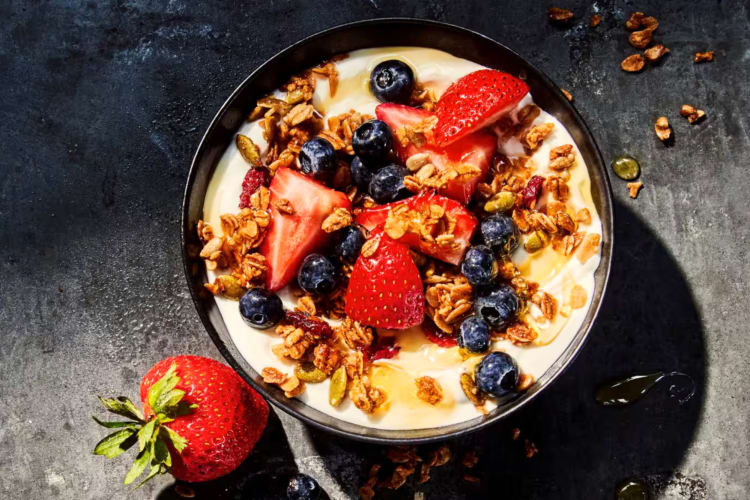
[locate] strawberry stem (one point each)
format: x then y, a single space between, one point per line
152 436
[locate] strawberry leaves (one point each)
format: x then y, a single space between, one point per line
152 436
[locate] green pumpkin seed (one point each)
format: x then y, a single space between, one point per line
307 372
626 167
500 202
337 389
232 287
536 242
249 151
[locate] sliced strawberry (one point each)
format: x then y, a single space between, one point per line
292 237
466 223
474 102
476 149
385 289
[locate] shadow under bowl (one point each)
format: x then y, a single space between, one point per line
309 52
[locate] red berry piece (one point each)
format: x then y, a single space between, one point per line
437 336
532 191
254 179
311 324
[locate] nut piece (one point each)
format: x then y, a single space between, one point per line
429 390
635 21
534 137
558 15
595 20
524 382
641 39
656 52
633 64
661 127
691 113
700 57
634 188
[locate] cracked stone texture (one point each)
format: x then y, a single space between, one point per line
104 103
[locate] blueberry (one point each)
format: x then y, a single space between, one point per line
392 81
388 184
360 173
349 242
500 233
474 334
317 158
318 274
261 308
479 266
372 139
302 487
498 306
497 374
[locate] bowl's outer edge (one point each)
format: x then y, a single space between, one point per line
310 51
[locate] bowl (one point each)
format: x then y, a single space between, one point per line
309 52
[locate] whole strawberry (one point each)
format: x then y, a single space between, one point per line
200 421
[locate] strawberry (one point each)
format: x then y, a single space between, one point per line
476 149
466 223
385 289
474 102
290 238
200 421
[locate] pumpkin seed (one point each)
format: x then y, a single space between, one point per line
626 167
232 287
337 389
500 202
307 372
249 151
536 242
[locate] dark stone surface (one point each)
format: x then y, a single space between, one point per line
102 106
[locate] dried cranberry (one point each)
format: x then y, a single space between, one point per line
254 179
383 348
532 191
311 324
437 336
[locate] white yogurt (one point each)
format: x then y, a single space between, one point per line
417 357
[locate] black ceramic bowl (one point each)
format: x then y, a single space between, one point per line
311 51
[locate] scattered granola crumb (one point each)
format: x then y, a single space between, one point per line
184 491
634 21
656 52
530 448
700 57
662 129
370 247
642 38
567 94
429 390
470 459
590 246
534 137
562 157
583 216
633 64
595 20
516 433
471 478
558 15
691 113
307 305
634 188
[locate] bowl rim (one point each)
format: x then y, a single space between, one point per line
579 340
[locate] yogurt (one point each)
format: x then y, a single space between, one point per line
555 274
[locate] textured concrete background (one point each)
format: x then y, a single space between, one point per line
102 106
